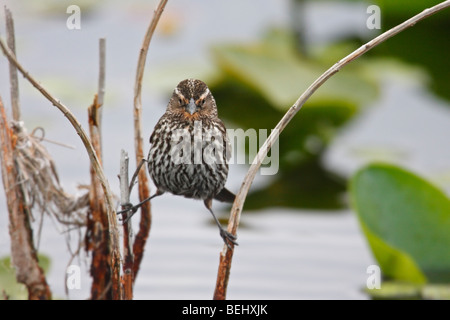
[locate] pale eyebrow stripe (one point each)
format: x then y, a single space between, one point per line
179 93
203 96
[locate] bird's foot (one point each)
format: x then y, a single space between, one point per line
128 208
228 238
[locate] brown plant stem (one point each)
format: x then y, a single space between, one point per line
101 84
13 80
143 182
128 260
23 252
95 163
76 125
226 254
106 282
98 227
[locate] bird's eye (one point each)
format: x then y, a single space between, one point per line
180 101
201 103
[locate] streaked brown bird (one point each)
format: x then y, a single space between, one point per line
190 150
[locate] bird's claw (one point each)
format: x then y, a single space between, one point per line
228 238
128 207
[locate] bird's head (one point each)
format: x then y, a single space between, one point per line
192 99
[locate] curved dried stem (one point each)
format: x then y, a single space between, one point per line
72 119
227 254
144 191
95 163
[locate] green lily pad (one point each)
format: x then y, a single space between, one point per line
394 290
436 292
395 263
275 70
406 221
258 82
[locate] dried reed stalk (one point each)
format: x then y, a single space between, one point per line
143 182
226 254
23 253
128 256
110 217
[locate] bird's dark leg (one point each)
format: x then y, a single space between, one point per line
226 236
133 209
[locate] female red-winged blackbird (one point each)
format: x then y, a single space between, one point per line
190 150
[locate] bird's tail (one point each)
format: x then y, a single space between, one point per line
225 196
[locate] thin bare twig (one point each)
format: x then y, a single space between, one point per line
135 174
23 251
14 82
75 123
102 70
144 191
106 282
128 257
111 216
227 254
36 186
101 84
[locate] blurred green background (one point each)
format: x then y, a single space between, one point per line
257 82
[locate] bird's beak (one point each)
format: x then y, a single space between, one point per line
191 107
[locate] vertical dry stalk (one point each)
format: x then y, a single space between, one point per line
23 253
14 82
226 254
144 191
98 227
105 271
128 260
80 131
101 84
113 243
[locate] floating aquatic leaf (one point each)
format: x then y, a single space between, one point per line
406 220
